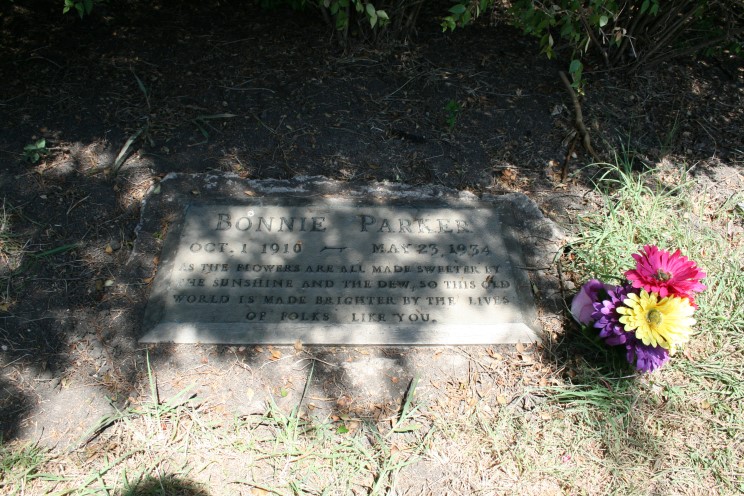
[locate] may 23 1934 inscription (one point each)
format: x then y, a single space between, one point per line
340 274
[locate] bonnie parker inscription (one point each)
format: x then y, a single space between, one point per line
340 274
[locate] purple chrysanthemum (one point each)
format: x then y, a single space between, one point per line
607 319
645 358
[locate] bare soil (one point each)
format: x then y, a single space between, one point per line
203 87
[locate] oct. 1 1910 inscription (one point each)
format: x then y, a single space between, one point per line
341 274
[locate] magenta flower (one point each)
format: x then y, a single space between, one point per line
582 305
658 271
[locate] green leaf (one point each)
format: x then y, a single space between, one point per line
448 23
382 15
603 20
644 6
568 30
575 69
342 429
575 66
371 10
466 18
457 9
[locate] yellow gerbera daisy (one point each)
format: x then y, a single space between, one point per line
666 322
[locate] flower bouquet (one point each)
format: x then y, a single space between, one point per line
651 314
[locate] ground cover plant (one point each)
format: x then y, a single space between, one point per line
97 111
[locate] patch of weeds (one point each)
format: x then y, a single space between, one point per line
451 113
310 454
154 414
141 133
323 456
670 139
34 151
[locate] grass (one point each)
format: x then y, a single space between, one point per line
19 466
699 393
593 427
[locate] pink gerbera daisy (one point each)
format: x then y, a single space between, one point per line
658 271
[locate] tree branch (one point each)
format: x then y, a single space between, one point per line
579 118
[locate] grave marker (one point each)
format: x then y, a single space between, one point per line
341 274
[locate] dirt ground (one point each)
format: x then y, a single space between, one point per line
131 94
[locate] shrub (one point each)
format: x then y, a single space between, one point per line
357 18
632 33
82 7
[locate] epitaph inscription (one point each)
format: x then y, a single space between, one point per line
341 274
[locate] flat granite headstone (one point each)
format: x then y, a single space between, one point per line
277 270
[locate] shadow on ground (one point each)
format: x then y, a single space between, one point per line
168 485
